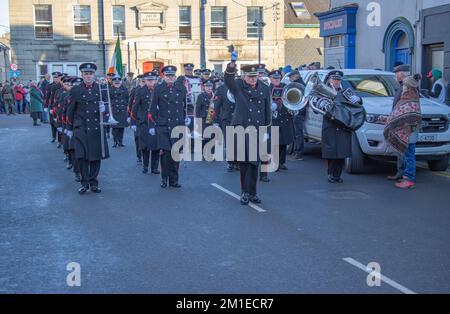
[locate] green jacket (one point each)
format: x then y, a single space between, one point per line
35 100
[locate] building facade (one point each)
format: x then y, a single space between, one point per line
302 31
54 35
4 59
377 34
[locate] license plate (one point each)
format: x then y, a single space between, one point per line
427 138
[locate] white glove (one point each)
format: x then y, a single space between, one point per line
152 131
187 121
101 106
273 107
69 133
46 110
59 130
354 99
133 127
128 120
216 125
266 137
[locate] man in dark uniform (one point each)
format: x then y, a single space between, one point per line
49 101
204 101
84 117
336 141
197 73
224 109
148 143
61 108
281 117
167 112
118 94
70 141
252 109
206 75
131 119
57 99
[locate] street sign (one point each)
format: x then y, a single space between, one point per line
14 67
14 74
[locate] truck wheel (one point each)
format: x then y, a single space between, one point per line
355 164
440 164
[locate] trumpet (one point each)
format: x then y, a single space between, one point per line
211 113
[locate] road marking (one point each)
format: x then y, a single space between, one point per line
387 280
255 207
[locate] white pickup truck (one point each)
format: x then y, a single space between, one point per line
377 89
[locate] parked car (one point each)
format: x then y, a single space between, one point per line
377 89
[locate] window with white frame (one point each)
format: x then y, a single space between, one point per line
82 22
119 21
253 15
219 22
185 23
43 22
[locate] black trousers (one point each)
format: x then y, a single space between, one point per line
138 151
299 139
53 128
146 159
282 154
169 167
117 134
335 167
89 171
74 161
249 176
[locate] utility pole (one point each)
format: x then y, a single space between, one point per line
260 23
202 35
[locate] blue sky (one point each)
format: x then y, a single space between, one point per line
4 16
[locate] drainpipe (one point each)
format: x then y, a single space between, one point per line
101 22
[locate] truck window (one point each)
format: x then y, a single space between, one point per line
371 85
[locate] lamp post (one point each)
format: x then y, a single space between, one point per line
260 24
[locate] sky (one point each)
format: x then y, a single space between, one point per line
4 16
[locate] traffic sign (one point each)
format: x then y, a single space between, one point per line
14 67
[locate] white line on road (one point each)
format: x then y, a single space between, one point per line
255 207
387 280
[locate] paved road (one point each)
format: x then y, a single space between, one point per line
307 237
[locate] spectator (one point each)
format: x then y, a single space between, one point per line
36 100
402 128
8 98
439 89
2 104
19 93
43 85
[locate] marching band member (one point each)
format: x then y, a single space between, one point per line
131 118
118 95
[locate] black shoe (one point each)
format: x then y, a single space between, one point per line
255 199
283 167
156 171
230 168
65 159
77 178
331 179
264 179
175 185
164 183
145 170
53 140
83 190
139 161
69 166
338 180
244 199
121 145
95 189
298 157
59 145
115 145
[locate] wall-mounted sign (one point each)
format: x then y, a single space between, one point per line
151 14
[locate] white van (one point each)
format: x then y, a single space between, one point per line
377 89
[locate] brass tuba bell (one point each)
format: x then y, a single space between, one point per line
293 96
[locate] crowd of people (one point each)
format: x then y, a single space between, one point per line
156 102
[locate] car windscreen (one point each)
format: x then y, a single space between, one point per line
369 85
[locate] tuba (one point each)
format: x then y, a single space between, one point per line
293 96
315 90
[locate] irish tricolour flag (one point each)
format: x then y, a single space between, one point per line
115 65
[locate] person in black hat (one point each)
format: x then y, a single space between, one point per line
118 94
281 117
202 106
206 75
131 118
295 77
401 71
58 98
148 144
84 116
49 101
336 140
197 73
252 110
109 78
168 111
